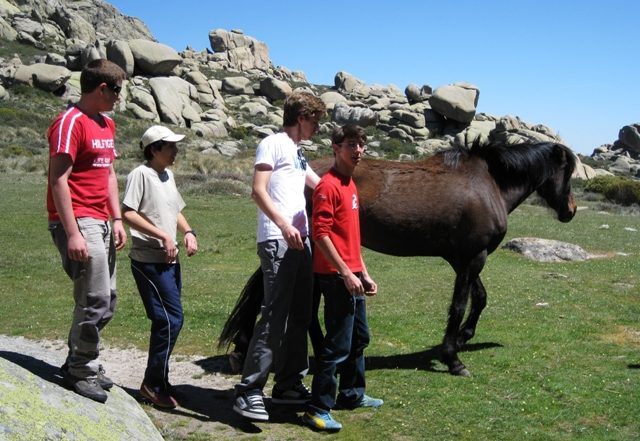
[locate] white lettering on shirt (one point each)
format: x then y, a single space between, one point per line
102 143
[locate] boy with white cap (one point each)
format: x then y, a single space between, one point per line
152 207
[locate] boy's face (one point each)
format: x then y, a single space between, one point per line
349 152
308 126
110 94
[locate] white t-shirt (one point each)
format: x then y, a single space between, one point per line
286 186
156 198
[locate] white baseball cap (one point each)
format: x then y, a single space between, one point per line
159 133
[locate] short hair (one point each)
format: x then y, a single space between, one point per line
146 152
349 131
302 104
100 71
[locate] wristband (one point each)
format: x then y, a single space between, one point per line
116 219
192 232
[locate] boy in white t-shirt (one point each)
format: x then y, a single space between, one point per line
280 336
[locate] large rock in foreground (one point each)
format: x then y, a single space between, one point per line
34 408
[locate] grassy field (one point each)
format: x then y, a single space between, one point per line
568 370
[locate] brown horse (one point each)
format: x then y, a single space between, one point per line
453 205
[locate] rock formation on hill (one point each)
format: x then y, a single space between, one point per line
235 86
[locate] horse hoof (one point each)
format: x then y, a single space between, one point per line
464 372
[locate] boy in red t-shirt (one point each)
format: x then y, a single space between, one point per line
343 279
81 197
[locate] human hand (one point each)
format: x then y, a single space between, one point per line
119 235
370 287
293 238
170 249
191 244
77 248
353 284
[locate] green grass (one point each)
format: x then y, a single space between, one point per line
558 372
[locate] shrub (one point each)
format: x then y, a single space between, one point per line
392 148
240 132
617 189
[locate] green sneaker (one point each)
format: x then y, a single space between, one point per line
321 421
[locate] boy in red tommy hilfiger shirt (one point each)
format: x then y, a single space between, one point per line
343 279
81 197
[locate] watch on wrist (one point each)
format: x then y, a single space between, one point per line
192 232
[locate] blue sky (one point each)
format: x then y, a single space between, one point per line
571 65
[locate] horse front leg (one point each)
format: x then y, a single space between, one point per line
457 308
478 303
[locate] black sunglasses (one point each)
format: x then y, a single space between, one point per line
114 88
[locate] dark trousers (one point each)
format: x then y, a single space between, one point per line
279 338
160 285
347 335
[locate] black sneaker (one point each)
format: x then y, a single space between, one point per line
105 382
251 406
299 394
87 387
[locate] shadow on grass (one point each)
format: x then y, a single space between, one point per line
427 360
633 366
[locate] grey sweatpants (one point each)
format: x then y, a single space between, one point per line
94 292
280 335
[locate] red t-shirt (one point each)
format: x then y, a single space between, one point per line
336 214
91 146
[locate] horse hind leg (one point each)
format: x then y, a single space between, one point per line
478 303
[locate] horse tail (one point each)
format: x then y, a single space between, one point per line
239 326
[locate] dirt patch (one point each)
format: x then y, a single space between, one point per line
624 335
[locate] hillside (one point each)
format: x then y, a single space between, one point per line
229 96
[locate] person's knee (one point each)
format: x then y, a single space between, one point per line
175 323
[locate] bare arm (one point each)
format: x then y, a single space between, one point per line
119 232
311 178
259 193
370 287
59 170
190 240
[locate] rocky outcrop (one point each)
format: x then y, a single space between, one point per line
623 156
153 58
44 76
456 101
37 408
629 138
238 51
233 86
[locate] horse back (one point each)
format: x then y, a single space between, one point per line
430 207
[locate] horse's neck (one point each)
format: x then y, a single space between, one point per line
514 195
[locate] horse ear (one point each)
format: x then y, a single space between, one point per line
564 157
560 153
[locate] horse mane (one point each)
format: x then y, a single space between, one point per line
525 160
